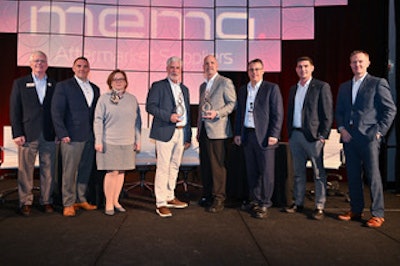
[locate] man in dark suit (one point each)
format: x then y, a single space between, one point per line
33 132
72 110
168 102
217 101
309 121
364 114
258 125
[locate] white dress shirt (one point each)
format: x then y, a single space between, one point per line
356 87
298 103
179 100
251 97
87 90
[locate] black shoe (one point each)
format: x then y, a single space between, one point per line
260 212
248 206
48 208
318 214
204 202
26 210
294 208
217 206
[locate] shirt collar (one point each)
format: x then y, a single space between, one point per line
81 81
305 85
36 78
212 79
257 86
361 79
173 83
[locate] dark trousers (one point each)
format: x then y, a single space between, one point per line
260 169
213 166
362 158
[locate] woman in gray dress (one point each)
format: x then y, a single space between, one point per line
117 126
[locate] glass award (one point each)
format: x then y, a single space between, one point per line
206 107
180 109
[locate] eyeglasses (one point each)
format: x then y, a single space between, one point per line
39 61
254 69
119 79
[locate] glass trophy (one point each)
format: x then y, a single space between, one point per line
206 107
180 109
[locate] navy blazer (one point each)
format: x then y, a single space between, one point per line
161 104
267 113
28 116
317 112
72 117
373 110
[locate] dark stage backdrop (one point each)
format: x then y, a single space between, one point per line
362 24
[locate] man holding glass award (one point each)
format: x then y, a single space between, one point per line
168 102
217 101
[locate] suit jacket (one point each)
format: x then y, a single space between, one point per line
28 116
161 104
317 112
373 110
223 100
267 113
72 117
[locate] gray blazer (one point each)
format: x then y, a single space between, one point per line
223 100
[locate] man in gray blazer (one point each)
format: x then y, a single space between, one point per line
168 102
72 111
33 132
217 101
309 121
364 113
258 125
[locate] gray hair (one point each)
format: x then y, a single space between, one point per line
36 53
174 59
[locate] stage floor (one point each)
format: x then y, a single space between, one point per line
195 237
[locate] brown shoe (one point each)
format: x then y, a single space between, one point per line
69 211
163 211
375 222
48 208
350 216
177 204
85 206
26 210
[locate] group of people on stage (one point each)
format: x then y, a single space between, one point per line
107 127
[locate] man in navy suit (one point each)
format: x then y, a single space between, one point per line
33 132
258 127
72 111
364 114
168 102
309 121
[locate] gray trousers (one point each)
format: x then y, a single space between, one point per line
26 166
302 150
77 163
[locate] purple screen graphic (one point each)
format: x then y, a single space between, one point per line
138 36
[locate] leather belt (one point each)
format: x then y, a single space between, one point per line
180 127
249 129
297 129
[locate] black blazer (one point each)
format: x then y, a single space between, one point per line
267 113
161 104
28 116
72 117
317 113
